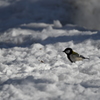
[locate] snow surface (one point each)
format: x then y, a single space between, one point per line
32 64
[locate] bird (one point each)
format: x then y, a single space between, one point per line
73 56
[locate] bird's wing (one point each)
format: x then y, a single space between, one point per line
74 53
78 57
75 57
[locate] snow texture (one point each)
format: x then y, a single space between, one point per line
32 64
84 13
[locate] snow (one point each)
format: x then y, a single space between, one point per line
32 64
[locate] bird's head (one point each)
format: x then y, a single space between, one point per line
68 51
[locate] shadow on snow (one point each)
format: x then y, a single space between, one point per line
25 81
21 12
28 11
52 40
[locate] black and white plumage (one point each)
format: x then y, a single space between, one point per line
73 56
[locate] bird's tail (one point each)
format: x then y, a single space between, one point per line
84 57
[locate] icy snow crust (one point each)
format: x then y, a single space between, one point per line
33 66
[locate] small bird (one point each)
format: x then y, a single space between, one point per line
73 56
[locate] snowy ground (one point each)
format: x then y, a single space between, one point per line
32 64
